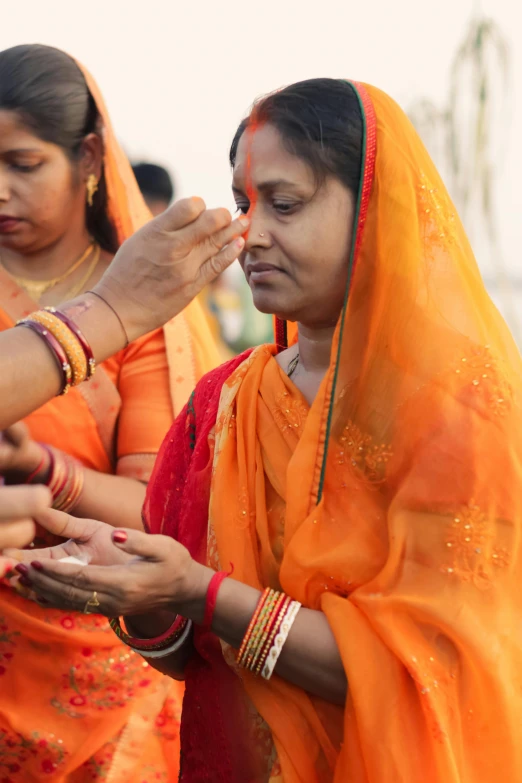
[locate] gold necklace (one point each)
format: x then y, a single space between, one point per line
77 289
37 288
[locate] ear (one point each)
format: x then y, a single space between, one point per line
91 157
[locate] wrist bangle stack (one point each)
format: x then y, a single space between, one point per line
159 646
66 342
66 479
267 632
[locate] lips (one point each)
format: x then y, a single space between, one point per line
8 224
260 271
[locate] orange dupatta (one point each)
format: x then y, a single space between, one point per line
100 711
398 510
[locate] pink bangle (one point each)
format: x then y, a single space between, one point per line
212 594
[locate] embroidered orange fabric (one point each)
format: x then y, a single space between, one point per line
396 506
75 704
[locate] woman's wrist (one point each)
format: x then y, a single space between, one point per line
192 604
99 324
148 626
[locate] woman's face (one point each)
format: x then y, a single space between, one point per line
41 194
297 251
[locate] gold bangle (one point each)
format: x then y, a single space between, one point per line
265 631
68 340
280 613
259 628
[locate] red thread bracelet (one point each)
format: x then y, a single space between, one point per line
212 594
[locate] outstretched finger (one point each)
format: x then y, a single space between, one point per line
181 214
16 534
64 525
20 502
145 545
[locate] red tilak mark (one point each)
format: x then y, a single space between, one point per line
251 191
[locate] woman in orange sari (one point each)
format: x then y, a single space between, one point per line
367 468
75 705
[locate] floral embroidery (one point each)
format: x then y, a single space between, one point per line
474 554
42 753
481 371
246 515
437 214
96 681
359 450
7 645
168 721
78 622
290 413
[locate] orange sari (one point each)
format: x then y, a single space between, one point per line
75 704
393 504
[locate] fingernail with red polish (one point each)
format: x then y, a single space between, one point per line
119 536
22 569
25 581
37 566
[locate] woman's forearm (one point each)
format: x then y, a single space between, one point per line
116 500
310 658
29 375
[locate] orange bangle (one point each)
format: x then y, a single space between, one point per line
68 340
265 644
277 620
246 637
263 622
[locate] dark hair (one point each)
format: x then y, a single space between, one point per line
48 90
320 122
154 181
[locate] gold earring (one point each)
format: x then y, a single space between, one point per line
92 187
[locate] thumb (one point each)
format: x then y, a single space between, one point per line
212 268
17 434
135 542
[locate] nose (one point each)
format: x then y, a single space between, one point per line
4 185
258 234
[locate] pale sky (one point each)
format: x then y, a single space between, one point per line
178 76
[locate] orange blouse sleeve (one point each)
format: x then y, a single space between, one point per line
146 413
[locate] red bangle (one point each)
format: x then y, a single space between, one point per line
41 464
212 594
86 348
57 351
175 630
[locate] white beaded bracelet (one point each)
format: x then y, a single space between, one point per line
169 650
280 639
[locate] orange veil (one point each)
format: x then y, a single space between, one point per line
191 349
403 516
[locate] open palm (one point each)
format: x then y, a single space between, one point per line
89 541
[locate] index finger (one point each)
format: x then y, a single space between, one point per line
21 502
182 213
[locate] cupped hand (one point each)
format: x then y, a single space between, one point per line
88 540
154 573
163 266
18 507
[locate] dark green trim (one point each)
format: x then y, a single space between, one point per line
348 286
